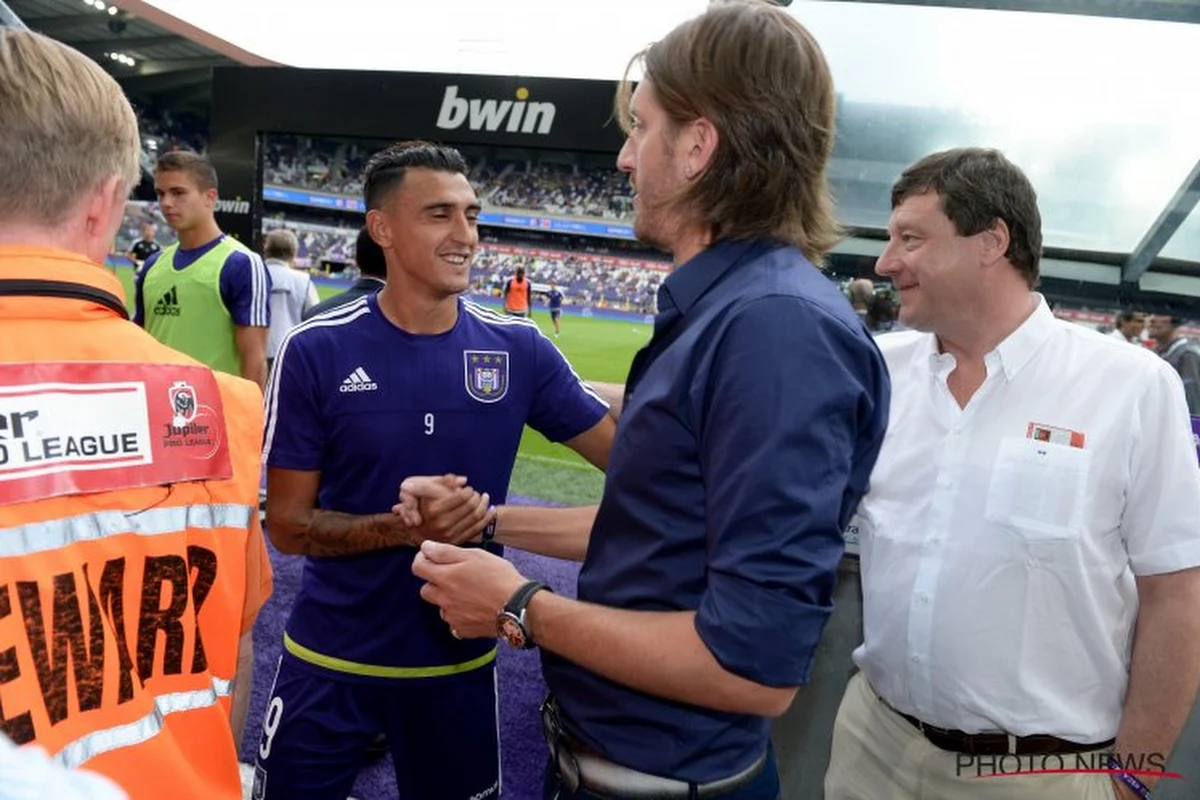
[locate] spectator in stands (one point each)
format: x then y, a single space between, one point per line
1128 326
516 295
1017 533
412 380
751 424
554 299
292 291
1181 353
862 292
210 294
144 247
372 268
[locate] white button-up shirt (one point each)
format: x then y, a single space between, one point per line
998 567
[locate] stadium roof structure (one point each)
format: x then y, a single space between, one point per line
1095 99
163 58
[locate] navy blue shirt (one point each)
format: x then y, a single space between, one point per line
368 404
367 284
741 453
555 299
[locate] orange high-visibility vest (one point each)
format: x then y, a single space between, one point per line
517 298
131 554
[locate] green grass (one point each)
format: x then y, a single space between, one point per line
599 350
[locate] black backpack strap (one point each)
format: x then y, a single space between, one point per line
32 287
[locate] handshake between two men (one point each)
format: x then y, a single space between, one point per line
469 585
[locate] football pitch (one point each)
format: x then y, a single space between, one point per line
599 350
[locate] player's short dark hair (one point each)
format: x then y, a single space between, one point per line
192 164
369 256
1127 316
386 169
978 186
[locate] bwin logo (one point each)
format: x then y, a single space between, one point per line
233 206
489 115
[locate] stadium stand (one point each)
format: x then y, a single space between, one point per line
591 276
504 180
598 280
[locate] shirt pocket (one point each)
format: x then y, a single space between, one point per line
1039 490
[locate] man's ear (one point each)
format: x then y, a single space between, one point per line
377 226
700 139
994 241
104 208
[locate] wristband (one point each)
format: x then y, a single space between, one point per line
1128 779
489 532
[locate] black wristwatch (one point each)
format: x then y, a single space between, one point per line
510 622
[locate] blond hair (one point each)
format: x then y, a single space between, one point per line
761 79
65 128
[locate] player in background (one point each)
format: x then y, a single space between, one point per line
144 247
554 299
516 295
207 295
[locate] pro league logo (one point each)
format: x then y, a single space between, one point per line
183 403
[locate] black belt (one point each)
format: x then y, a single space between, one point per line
996 744
582 768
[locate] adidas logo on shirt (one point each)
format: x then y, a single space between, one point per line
168 304
358 381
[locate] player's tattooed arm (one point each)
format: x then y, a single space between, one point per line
296 527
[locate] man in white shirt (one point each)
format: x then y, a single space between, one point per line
1029 552
1128 326
292 291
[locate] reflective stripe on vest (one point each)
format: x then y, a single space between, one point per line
141 730
37 537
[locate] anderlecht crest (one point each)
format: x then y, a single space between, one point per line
486 374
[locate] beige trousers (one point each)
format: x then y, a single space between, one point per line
878 755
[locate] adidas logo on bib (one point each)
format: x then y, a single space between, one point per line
168 304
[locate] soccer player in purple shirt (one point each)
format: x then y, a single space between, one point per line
411 381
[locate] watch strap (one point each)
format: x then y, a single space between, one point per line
521 597
489 531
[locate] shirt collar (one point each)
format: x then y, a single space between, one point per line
1022 344
1015 351
690 280
22 262
370 280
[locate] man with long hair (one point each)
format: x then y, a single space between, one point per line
750 425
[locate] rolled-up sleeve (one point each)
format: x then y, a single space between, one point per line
782 405
1161 523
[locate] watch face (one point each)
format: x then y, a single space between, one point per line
512 631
